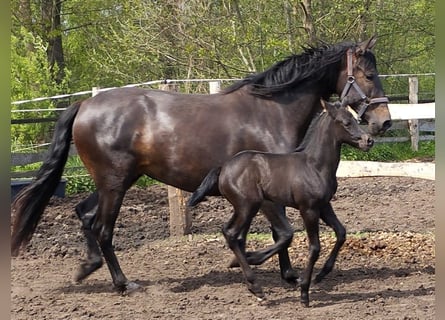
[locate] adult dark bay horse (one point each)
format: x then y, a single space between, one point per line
304 179
175 138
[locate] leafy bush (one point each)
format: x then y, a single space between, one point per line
78 184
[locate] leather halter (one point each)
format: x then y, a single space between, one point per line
350 82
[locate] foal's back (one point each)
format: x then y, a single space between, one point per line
289 179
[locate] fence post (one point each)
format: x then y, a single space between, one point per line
214 86
180 215
414 123
94 91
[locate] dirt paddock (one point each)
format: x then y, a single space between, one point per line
384 271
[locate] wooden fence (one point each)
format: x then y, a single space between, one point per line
418 118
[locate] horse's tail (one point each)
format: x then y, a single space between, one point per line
31 201
209 183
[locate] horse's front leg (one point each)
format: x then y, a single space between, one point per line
327 214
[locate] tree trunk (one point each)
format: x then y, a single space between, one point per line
52 33
24 14
308 22
364 21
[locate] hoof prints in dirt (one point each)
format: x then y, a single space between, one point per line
385 269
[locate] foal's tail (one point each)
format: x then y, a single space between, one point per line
30 203
209 183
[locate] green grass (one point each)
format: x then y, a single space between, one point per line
388 152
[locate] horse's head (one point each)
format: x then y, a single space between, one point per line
347 128
359 83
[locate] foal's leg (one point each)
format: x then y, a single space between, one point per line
273 212
241 218
287 272
327 214
86 211
282 233
311 222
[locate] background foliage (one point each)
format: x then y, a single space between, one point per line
115 42
73 45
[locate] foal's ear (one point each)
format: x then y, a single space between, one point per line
366 45
330 108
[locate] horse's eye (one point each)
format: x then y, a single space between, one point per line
369 76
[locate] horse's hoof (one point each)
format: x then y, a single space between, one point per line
255 259
129 288
257 291
305 303
318 278
304 299
234 263
86 269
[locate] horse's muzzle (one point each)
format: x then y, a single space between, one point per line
366 142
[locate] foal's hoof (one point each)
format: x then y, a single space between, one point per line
291 277
253 258
129 288
319 277
86 269
304 299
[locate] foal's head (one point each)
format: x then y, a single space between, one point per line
346 128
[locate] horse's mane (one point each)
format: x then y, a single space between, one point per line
313 64
310 131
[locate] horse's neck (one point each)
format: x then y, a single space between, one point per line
323 148
300 107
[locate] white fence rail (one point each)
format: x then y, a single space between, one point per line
180 218
408 111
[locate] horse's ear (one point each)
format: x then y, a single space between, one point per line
366 45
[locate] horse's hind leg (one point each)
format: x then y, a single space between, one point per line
241 219
110 201
327 214
86 211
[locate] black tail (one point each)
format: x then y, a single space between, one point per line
30 203
209 183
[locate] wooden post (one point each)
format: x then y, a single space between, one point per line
180 215
94 91
414 123
214 86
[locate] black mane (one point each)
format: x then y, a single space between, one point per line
313 64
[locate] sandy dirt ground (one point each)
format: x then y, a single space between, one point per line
386 269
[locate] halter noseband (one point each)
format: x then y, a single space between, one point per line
351 83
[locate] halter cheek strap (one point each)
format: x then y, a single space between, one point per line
351 83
